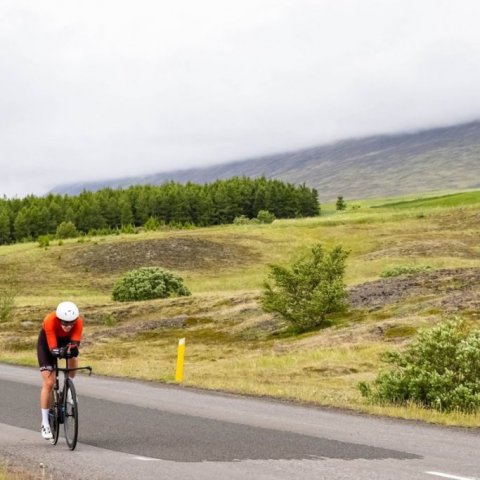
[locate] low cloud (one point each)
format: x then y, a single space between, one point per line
105 89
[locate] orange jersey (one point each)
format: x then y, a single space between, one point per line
53 330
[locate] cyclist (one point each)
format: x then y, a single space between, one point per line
59 337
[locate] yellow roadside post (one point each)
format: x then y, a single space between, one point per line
180 360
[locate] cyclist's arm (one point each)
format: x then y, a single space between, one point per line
49 327
76 336
76 333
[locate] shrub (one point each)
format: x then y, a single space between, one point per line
244 220
66 230
43 241
128 228
110 320
7 305
264 216
8 292
439 370
151 224
308 291
98 232
405 270
241 220
181 225
148 283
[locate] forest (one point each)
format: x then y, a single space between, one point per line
171 204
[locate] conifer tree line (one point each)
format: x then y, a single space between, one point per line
172 203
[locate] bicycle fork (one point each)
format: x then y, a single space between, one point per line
59 403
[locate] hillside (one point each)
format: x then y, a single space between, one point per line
440 159
232 345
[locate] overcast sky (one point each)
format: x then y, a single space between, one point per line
99 89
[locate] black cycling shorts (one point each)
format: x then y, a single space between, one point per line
45 359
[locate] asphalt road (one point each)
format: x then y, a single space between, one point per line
141 430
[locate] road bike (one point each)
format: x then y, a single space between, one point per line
64 406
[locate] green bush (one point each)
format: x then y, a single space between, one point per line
241 220
439 370
405 270
152 224
98 232
148 283
128 229
110 320
43 241
308 291
264 216
66 230
7 305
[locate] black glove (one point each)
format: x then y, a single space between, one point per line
73 351
58 352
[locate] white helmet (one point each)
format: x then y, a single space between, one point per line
67 311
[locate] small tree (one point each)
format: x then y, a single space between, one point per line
308 291
147 283
8 292
5 233
340 205
66 230
440 370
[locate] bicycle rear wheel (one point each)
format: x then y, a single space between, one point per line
71 414
54 417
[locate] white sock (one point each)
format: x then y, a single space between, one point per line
45 416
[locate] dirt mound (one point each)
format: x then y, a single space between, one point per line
172 253
461 219
452 289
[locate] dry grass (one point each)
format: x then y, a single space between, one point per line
13 472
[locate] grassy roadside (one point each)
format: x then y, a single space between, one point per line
10 472
231 344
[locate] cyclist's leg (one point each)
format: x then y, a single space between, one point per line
48 378
45 361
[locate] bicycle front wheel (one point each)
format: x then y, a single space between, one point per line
54 417
71 414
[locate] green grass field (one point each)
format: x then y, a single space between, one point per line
232 345
450 200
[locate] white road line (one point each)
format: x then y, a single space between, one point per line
454 477
146 459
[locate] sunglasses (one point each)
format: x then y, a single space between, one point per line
67 324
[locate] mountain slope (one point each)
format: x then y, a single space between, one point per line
383 165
